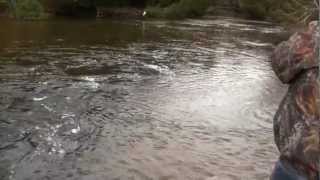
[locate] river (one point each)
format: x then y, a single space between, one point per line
138 100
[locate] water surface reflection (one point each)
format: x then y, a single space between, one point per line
137 100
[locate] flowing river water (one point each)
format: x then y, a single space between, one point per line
138 100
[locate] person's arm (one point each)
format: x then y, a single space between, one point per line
307 101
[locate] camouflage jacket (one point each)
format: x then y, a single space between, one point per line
297 121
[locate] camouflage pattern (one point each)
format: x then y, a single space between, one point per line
297 121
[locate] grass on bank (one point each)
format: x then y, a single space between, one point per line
26 9
178 10
288 11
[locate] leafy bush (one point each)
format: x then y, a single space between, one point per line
295 10
3 6
180 9
161 3
280 10
113 3
195 8
29 9
154 12
175 11
254 9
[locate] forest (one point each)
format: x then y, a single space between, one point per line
289 11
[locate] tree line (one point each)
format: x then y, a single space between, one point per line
277 10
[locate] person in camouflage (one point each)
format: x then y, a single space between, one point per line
297 121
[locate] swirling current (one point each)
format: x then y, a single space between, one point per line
138 100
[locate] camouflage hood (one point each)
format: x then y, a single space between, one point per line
298 54
297 121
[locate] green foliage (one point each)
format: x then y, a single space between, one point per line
175 11
294 10
3 6
28 9
280 10
154 12
113 3
179 9
255 9
161 3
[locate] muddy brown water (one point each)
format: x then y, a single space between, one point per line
118 100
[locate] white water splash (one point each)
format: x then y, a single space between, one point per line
160 69
40 98
75 130
91 82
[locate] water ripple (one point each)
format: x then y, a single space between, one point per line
189 99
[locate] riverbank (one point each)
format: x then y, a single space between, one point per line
163 9
4 10
120 13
